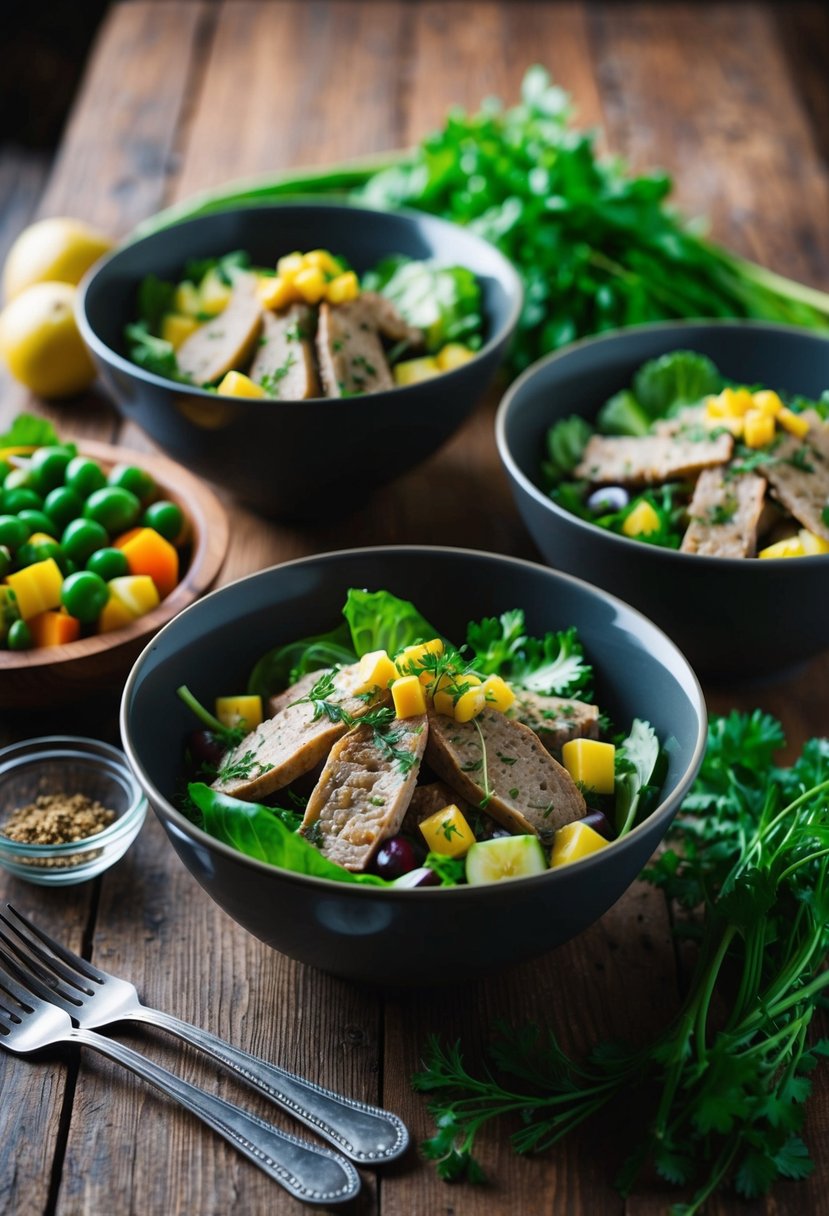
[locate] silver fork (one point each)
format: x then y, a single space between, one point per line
366 1134
310 1173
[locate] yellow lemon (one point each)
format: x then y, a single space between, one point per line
40 341
55 250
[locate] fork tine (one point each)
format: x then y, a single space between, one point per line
73 961
32 970
10 988
27 987
52 970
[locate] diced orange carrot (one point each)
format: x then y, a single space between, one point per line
147 552
54 628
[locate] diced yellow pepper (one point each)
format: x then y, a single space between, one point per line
376 670
448 832
310 283
792 546
345 287
290 265
176 327
453 355
187 299
37 587
413 371
574 841
641 521
215 293
276 292
237 384
794 423
470 703
244 710
409 697
497 693
324 260
130 596
812 544
412 657
767 402
591 763
758 429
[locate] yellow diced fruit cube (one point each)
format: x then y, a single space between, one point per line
767 402
714 407
277 292
470 703
448 832
642 520
758 429
591 763
237 384
130 596
453 355
413 371
811 544
410 660
310 283
37 587
574 841
791 546
442 698
497 693
409 697
187 299
343 288
290 265
323 259
215 293
794 423
175 327
735 402
376 670
244 711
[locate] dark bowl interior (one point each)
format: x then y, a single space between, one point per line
399 936
276 455
734 619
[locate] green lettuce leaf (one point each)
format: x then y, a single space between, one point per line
284 665
27 430
636 763
680 378
379 620
444 301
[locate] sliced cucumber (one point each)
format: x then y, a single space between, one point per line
504 857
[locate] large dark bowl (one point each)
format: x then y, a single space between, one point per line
383 935
296 459
734 618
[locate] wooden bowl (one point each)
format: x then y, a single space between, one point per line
38 679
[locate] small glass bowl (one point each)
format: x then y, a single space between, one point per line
68 765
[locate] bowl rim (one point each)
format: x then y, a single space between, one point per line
165 810
299 202
612 337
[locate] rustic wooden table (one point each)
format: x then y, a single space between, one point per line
732 99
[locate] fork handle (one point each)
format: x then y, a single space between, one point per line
366 1134
310 1173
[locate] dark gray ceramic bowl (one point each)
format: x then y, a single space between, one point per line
734 619
295 459
407 936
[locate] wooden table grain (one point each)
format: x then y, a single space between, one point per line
178 96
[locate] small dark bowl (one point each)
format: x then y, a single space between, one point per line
734 618
387 935
294 459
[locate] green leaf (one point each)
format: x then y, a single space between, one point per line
443 301
379 620
566 441
793 1160
284 665
496 642
636 760
153 354
680 378
155 298
553 665
27 430
622 414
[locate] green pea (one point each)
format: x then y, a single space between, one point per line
114 508
84 596
5 560
14 531
48 467
37 521
19 636
38 551
138 481
21 499
62 505
84 476
108 563
166 517
81 538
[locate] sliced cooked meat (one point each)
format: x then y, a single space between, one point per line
688 419
349 350
556 719
227 341
529 790
653 458
385 317
293 741
364 790
427 800
284 360
296 691
799 478
725 514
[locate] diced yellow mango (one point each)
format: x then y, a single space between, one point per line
413 371
497 693
175 327
811 544
714 407
453 355
470 703
642 520
37 587
574 841
237 384
376 670
310 283
792 546
448 832
290 265
187 299
410 660
758 429
130 596
794 423
444 703
767 402
343 288
324 260
591 763
243 710
276 292
409 697
215 293
735 402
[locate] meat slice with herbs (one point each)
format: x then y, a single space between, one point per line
502 766
392 325
364 790
556 720
612 460
350 353
799 477
228 340
725 513
297 738
284 361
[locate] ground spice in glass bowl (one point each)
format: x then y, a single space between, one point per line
69 808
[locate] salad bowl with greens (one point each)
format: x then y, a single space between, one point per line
351 859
